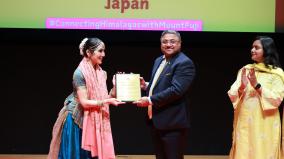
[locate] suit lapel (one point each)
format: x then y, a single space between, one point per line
167 67
165 70
156 66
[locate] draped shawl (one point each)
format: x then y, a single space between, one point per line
96 135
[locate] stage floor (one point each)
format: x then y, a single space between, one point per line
25 156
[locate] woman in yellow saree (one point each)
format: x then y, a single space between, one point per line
256 95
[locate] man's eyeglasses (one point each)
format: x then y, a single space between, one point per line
172 42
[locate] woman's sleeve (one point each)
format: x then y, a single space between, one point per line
272 97
78 80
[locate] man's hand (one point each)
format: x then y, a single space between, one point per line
143 84
143 102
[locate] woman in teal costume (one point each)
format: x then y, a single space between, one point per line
67 132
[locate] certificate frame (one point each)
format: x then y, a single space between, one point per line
128 87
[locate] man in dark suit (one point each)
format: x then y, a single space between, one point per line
167 99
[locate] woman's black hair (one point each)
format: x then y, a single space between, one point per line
91 44
270 53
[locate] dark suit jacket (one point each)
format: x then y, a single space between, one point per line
170 94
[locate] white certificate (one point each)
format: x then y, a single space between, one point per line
128 87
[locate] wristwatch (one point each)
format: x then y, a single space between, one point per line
258 85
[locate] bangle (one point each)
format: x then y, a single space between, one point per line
258 85
100 102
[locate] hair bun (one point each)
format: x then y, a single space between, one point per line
81 46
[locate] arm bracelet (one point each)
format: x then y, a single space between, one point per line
100 102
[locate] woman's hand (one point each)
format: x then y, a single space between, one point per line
252 77
244 80
113 101
113 80
114 77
